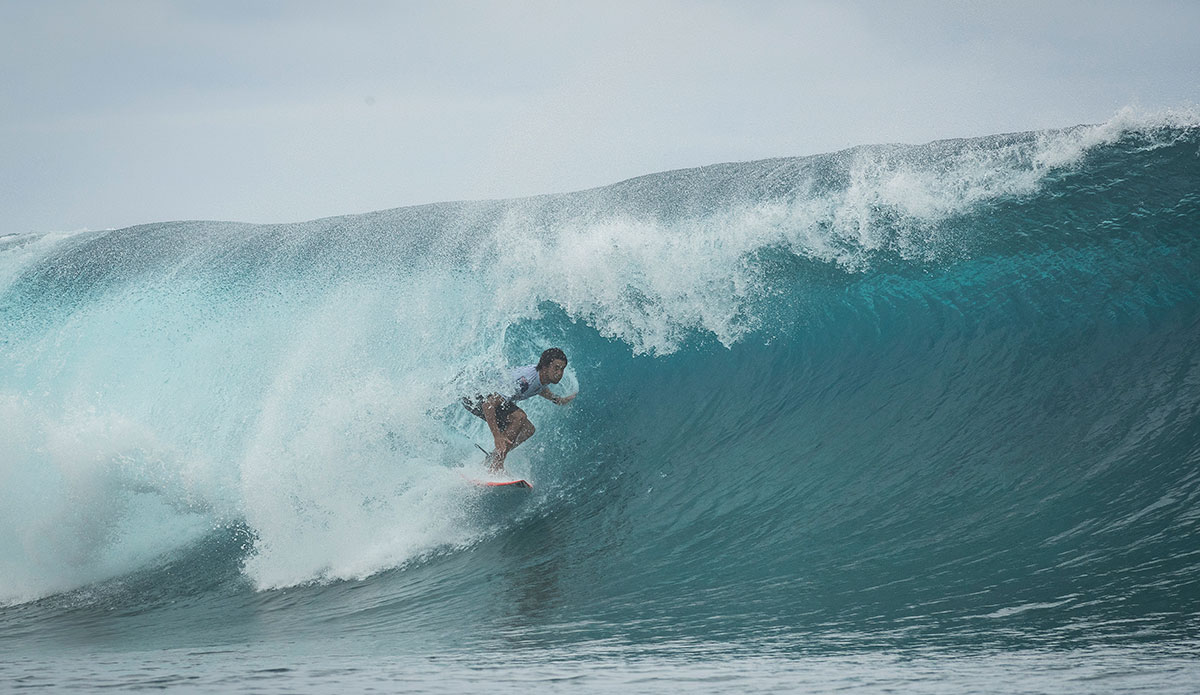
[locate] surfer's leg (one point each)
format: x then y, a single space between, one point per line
516 429
526 432
516 433
519 429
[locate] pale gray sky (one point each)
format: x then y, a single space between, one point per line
119 112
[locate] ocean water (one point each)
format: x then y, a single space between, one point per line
892 419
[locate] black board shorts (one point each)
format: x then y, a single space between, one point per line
503 411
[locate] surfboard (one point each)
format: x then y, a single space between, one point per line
499 484
507 484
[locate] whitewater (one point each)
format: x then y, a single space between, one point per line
901 417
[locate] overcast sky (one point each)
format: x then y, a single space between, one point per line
119 112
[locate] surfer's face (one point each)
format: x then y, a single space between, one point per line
552 373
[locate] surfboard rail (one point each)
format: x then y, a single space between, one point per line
506 484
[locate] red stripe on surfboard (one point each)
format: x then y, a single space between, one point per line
508 483
511 483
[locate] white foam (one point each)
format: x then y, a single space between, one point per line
652 283
84 496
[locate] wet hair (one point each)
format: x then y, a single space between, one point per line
549 356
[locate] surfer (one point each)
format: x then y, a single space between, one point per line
508 423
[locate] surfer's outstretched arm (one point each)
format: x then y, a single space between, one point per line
557 400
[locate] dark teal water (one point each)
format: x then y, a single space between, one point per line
919 418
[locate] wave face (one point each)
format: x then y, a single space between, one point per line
896 394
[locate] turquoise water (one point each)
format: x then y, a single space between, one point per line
918 418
